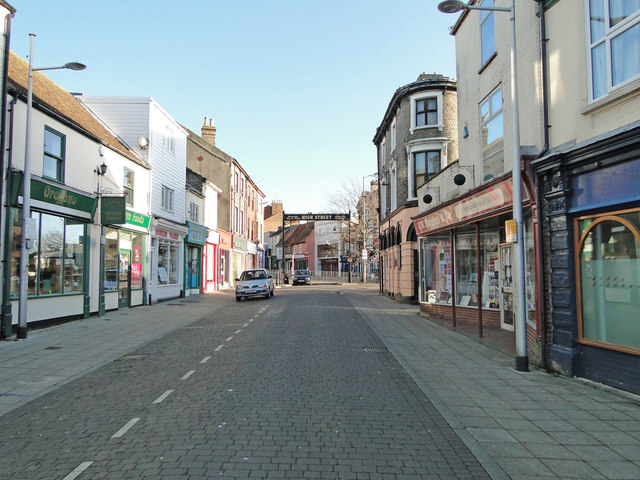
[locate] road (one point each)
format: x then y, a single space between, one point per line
297 386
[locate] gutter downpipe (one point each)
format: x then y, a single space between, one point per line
539 187
6 317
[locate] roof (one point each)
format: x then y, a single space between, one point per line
299 233
49 96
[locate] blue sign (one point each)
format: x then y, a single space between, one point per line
197 233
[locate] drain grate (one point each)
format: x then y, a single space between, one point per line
375 349
133 356
53 348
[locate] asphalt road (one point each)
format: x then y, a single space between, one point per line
297 386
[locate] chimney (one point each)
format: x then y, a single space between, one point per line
209 132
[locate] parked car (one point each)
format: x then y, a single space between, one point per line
254 283
302 276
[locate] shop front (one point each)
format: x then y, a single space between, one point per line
167 246
226 249
466 269
59 270
194 260
239 263
211 262
592 212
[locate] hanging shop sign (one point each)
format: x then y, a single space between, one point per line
112 210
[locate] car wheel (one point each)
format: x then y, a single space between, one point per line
238 299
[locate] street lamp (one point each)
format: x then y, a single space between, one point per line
522 360
27 229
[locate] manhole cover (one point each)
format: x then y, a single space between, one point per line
133 356
375 349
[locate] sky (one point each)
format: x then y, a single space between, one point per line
296 88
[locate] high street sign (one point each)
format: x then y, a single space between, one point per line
288 217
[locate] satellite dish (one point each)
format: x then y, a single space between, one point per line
143 142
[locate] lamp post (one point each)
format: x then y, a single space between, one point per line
522 360
101 171
27 228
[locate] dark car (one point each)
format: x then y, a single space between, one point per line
302 277
254 283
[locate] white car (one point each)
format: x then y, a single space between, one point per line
254 283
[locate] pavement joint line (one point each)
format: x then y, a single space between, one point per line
188 374
229 339
126 428
163 396
218 348
205 359
78 470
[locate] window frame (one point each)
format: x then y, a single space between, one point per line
419 97
487 18
59 160
609 34
193 212
167 202
413 192
128 188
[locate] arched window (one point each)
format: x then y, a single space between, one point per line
411 234
608 280
392 236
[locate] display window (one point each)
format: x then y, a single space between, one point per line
436 269
168 257
56 255
608 279
124 254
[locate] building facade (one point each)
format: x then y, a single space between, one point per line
161 142
415 141
589 180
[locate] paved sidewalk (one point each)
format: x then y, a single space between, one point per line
519 425
51 357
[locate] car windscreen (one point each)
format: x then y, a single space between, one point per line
253 275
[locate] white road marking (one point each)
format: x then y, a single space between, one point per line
188 374
163 396
238 331
78 470
205 359
245 325
229 339
126 428
218 348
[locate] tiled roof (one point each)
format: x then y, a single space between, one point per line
51 96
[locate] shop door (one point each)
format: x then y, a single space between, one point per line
507 307
124 279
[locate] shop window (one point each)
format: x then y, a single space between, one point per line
168 256
436 269
466 258
137 260
56 257
111 260
608 256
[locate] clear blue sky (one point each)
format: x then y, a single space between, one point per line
296 88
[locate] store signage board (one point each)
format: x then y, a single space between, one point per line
314 217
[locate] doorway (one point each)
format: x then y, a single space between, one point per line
507 307
124 279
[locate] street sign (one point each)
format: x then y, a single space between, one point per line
315 216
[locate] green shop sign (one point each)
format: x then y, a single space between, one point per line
46 192
112 210
137 219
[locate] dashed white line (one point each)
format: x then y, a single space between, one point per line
245 325
251 320
218 348
126 428
163 396
205 359
238 331
78 470
229 339
188 374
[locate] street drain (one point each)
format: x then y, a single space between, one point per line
133 356
53 348
375 349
